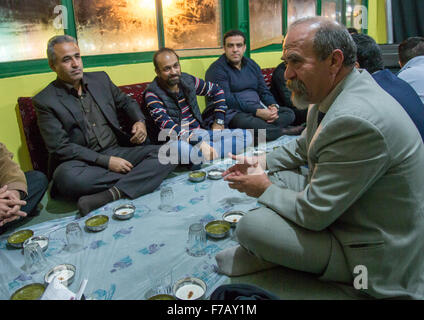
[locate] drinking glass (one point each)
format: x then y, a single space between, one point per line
74 237
196 243
160 282
166 199
34 258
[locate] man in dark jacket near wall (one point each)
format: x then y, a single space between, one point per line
90 157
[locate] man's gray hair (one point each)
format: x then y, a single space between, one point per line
330 36
51 56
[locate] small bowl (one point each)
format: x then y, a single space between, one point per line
162 297
33 291
233 217
66 271
215 174
197 176
124 212
218 229
97 223
18 238
41 240
189 288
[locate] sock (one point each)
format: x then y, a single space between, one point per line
237 261
86 204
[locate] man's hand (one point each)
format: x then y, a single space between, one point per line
119 165
269 115
208 152
216 126
139 132
247 176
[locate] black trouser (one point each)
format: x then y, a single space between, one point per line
73 179
274 130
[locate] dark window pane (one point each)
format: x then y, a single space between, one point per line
266 26
297 9
192 24
116 26
25 28
332 9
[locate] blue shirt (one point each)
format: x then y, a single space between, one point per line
244 89
404 94
413 73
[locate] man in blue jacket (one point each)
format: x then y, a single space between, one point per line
246 92
369 57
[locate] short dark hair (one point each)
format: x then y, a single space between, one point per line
233 33
330 35
411 48
368 54
162 50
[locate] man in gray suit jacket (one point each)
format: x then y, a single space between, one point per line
90 157
356 216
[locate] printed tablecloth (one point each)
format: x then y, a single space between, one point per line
117 260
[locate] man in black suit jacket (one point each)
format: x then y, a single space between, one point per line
90 158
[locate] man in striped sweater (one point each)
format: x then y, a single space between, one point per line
171 101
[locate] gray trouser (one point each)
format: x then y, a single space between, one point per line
275 239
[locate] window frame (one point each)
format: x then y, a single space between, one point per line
234 15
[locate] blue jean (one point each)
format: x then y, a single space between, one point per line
223 141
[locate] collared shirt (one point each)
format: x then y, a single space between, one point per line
413 73
99 134
244 89
203 88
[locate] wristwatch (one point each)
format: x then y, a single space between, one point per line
219 121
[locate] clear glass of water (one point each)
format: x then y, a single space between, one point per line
196 242
34 258
74 237
166 199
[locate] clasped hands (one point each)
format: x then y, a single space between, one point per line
10 205
248 175
269 114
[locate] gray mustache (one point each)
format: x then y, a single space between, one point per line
297 86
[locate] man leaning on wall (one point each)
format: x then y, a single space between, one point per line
361 205
171 100
90 157
250 103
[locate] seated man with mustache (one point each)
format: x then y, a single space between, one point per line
90 157
358 212
251 104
